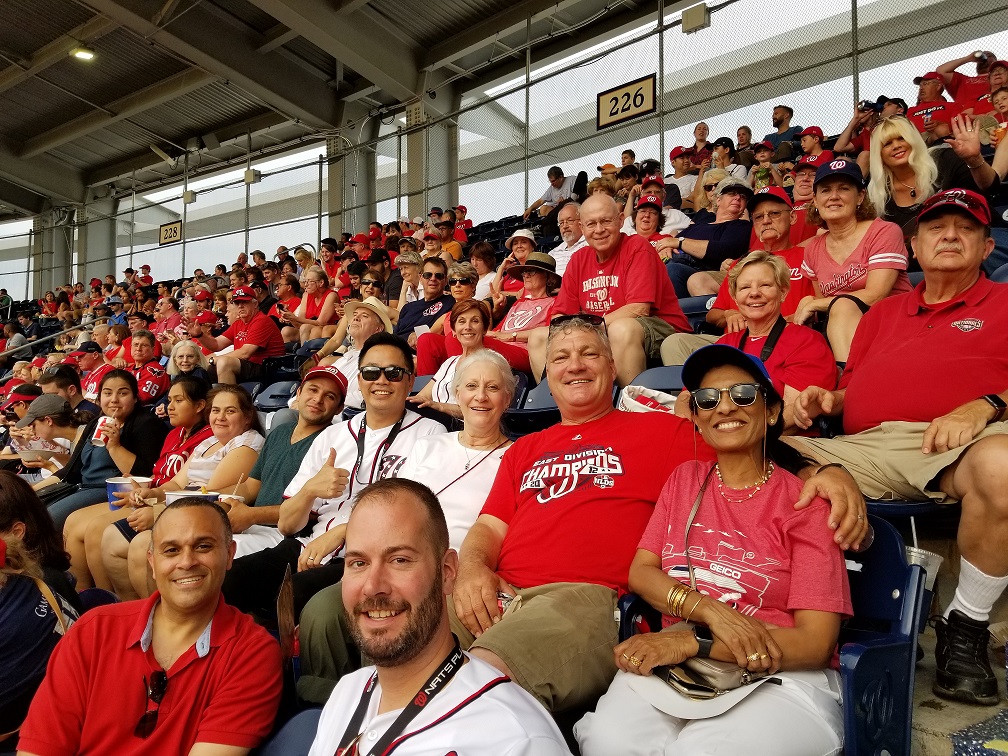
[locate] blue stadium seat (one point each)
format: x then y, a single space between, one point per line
878 646
667 379
253 387
915 277
281 369
695 309
92 597
276 396
1000 275
538 411
295 738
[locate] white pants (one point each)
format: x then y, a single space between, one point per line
256 538
801 717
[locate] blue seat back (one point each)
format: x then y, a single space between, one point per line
276 396
667 379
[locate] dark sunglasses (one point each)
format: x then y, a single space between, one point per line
429 274
368 282
458 281
741 394
155 692
708 187
393 373
596 321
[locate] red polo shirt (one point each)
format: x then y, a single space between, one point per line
260 331
914 362
942 111
93 693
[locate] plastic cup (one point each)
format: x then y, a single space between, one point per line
930 561
97 439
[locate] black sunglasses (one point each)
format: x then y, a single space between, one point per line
393 373
596 321
155 692
368 282
458 281
741 394
429 274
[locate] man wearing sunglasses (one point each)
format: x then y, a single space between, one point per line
424 312
181 672
923 404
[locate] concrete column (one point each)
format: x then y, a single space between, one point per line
52 250
97 239
334 200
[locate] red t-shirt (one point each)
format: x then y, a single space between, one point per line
914 362
176 451
152 380
332 269
762 558
801 358
576 498
942 111
91 381
633 275
260 331
880 248
800 286
291 304
818 160
145 280
229 696
966 90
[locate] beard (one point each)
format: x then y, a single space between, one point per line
392 651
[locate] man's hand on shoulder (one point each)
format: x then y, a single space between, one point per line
848 512
958 427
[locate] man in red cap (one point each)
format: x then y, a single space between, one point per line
361 244
144 277
679 157
812 146
254 336
972 92
462 223
932 115
375 239
923 403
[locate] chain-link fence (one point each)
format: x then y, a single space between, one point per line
492 153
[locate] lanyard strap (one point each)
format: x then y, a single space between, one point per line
382 449
771 342
435 684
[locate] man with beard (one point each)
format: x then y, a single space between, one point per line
423 691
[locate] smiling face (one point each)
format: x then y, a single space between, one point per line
579 371
757 294
469 329
481 396
521 247
646 221
185 359
117 399
728 427
896 152
189 555
837 199
383 394
318 400
601 221
394 586
434 279
227 418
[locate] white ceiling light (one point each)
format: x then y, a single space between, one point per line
83 52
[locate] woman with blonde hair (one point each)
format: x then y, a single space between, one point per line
905 172
317 311
703 194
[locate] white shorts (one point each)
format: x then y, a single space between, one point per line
256 538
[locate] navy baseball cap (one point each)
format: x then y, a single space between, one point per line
840 167
717 355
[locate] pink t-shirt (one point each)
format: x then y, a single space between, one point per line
633 275
880 248
526 314
761 557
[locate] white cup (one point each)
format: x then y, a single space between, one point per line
97 439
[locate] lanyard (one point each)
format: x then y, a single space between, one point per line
771 342
382 449
435 684
470 468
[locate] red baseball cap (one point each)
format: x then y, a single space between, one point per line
811 131
461 208
961 199
649 200
206 318
373 234
431 235
769 193
14 397
69 360
39 362
931 76
202 295
997 64
242 294
329 371
360 239
678 152
653 178
763 145
807 161
145 267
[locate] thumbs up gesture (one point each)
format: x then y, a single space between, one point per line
330 481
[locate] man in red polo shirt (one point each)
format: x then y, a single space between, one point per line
255 337
923 398
620 278
166 674
932 115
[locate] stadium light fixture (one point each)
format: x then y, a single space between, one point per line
83 52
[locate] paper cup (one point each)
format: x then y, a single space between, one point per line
114 486
97 439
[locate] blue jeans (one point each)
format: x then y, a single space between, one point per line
680 273
66 506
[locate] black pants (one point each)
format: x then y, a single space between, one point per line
253 582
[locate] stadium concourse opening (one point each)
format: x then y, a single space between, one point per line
295 259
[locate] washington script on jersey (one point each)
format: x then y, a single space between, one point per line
556 474
599 286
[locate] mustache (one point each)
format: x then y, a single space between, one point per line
381 604
948 248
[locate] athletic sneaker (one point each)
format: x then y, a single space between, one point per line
964 672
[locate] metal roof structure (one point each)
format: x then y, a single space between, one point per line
177 83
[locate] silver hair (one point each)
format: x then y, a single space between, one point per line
508 380
579 324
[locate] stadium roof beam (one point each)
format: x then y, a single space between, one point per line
203 39
343 35
41 175
56 51
156 94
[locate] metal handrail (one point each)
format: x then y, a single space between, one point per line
50 337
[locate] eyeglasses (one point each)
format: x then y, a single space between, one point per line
155 692
368 282
768 215
393 373
741 394
592 225
459 281
436 276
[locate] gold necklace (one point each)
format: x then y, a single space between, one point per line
758 484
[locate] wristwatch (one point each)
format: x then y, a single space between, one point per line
998 404
704 639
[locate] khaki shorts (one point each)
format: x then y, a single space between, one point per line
677 348
655 332
887 461
558 644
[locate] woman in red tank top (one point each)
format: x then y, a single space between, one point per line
315 316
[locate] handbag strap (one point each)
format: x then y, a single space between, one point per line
689 524
47 594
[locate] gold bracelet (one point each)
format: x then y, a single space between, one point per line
690 613
676 596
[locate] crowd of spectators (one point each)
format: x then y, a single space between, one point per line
392 519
